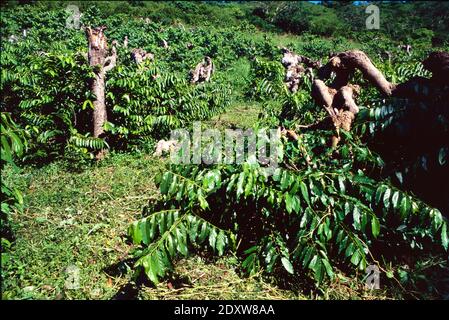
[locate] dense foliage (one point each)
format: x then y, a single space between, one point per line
380 196
322 210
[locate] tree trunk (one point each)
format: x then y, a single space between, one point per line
101 63
100 112
338 97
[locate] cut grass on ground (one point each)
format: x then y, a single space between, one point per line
242 116
79 219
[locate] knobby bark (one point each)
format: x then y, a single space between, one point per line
102 60
338 98
295 70
139 55
202 72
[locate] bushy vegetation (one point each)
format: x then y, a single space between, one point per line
378 198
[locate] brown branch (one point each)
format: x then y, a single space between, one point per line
344 65
323 95
344 99
111 61
338 98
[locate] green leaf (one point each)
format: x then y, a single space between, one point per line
318 271
153 266
386 198
144 230
136 232
212 238
166 182
87 102
379 192
375 226
328 268
240 184
355 259
170 245
162 224
395 199
193 232
292 203
442 156
249 261
203 203
304 192
287 265
277 174
356 217
405 207
307 255
285 180
341 183
444 236
288 203
313 262
18 196
204 232
221 242
349 250
251 250
181 242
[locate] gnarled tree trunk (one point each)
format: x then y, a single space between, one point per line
338 97
101 63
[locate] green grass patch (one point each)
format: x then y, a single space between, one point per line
79 219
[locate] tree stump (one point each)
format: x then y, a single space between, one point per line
101 62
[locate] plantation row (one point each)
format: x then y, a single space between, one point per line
327 209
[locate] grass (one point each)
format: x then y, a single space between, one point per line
75 219
241 116
79 219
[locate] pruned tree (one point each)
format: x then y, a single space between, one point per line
102 60
290 58
203 71
139 55
338 97
297 67
293 77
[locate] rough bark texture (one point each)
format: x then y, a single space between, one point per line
338 97
125 42
293 77
101 63
323 96
139 55
344 65
295 70
344 99
202 72
290 58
